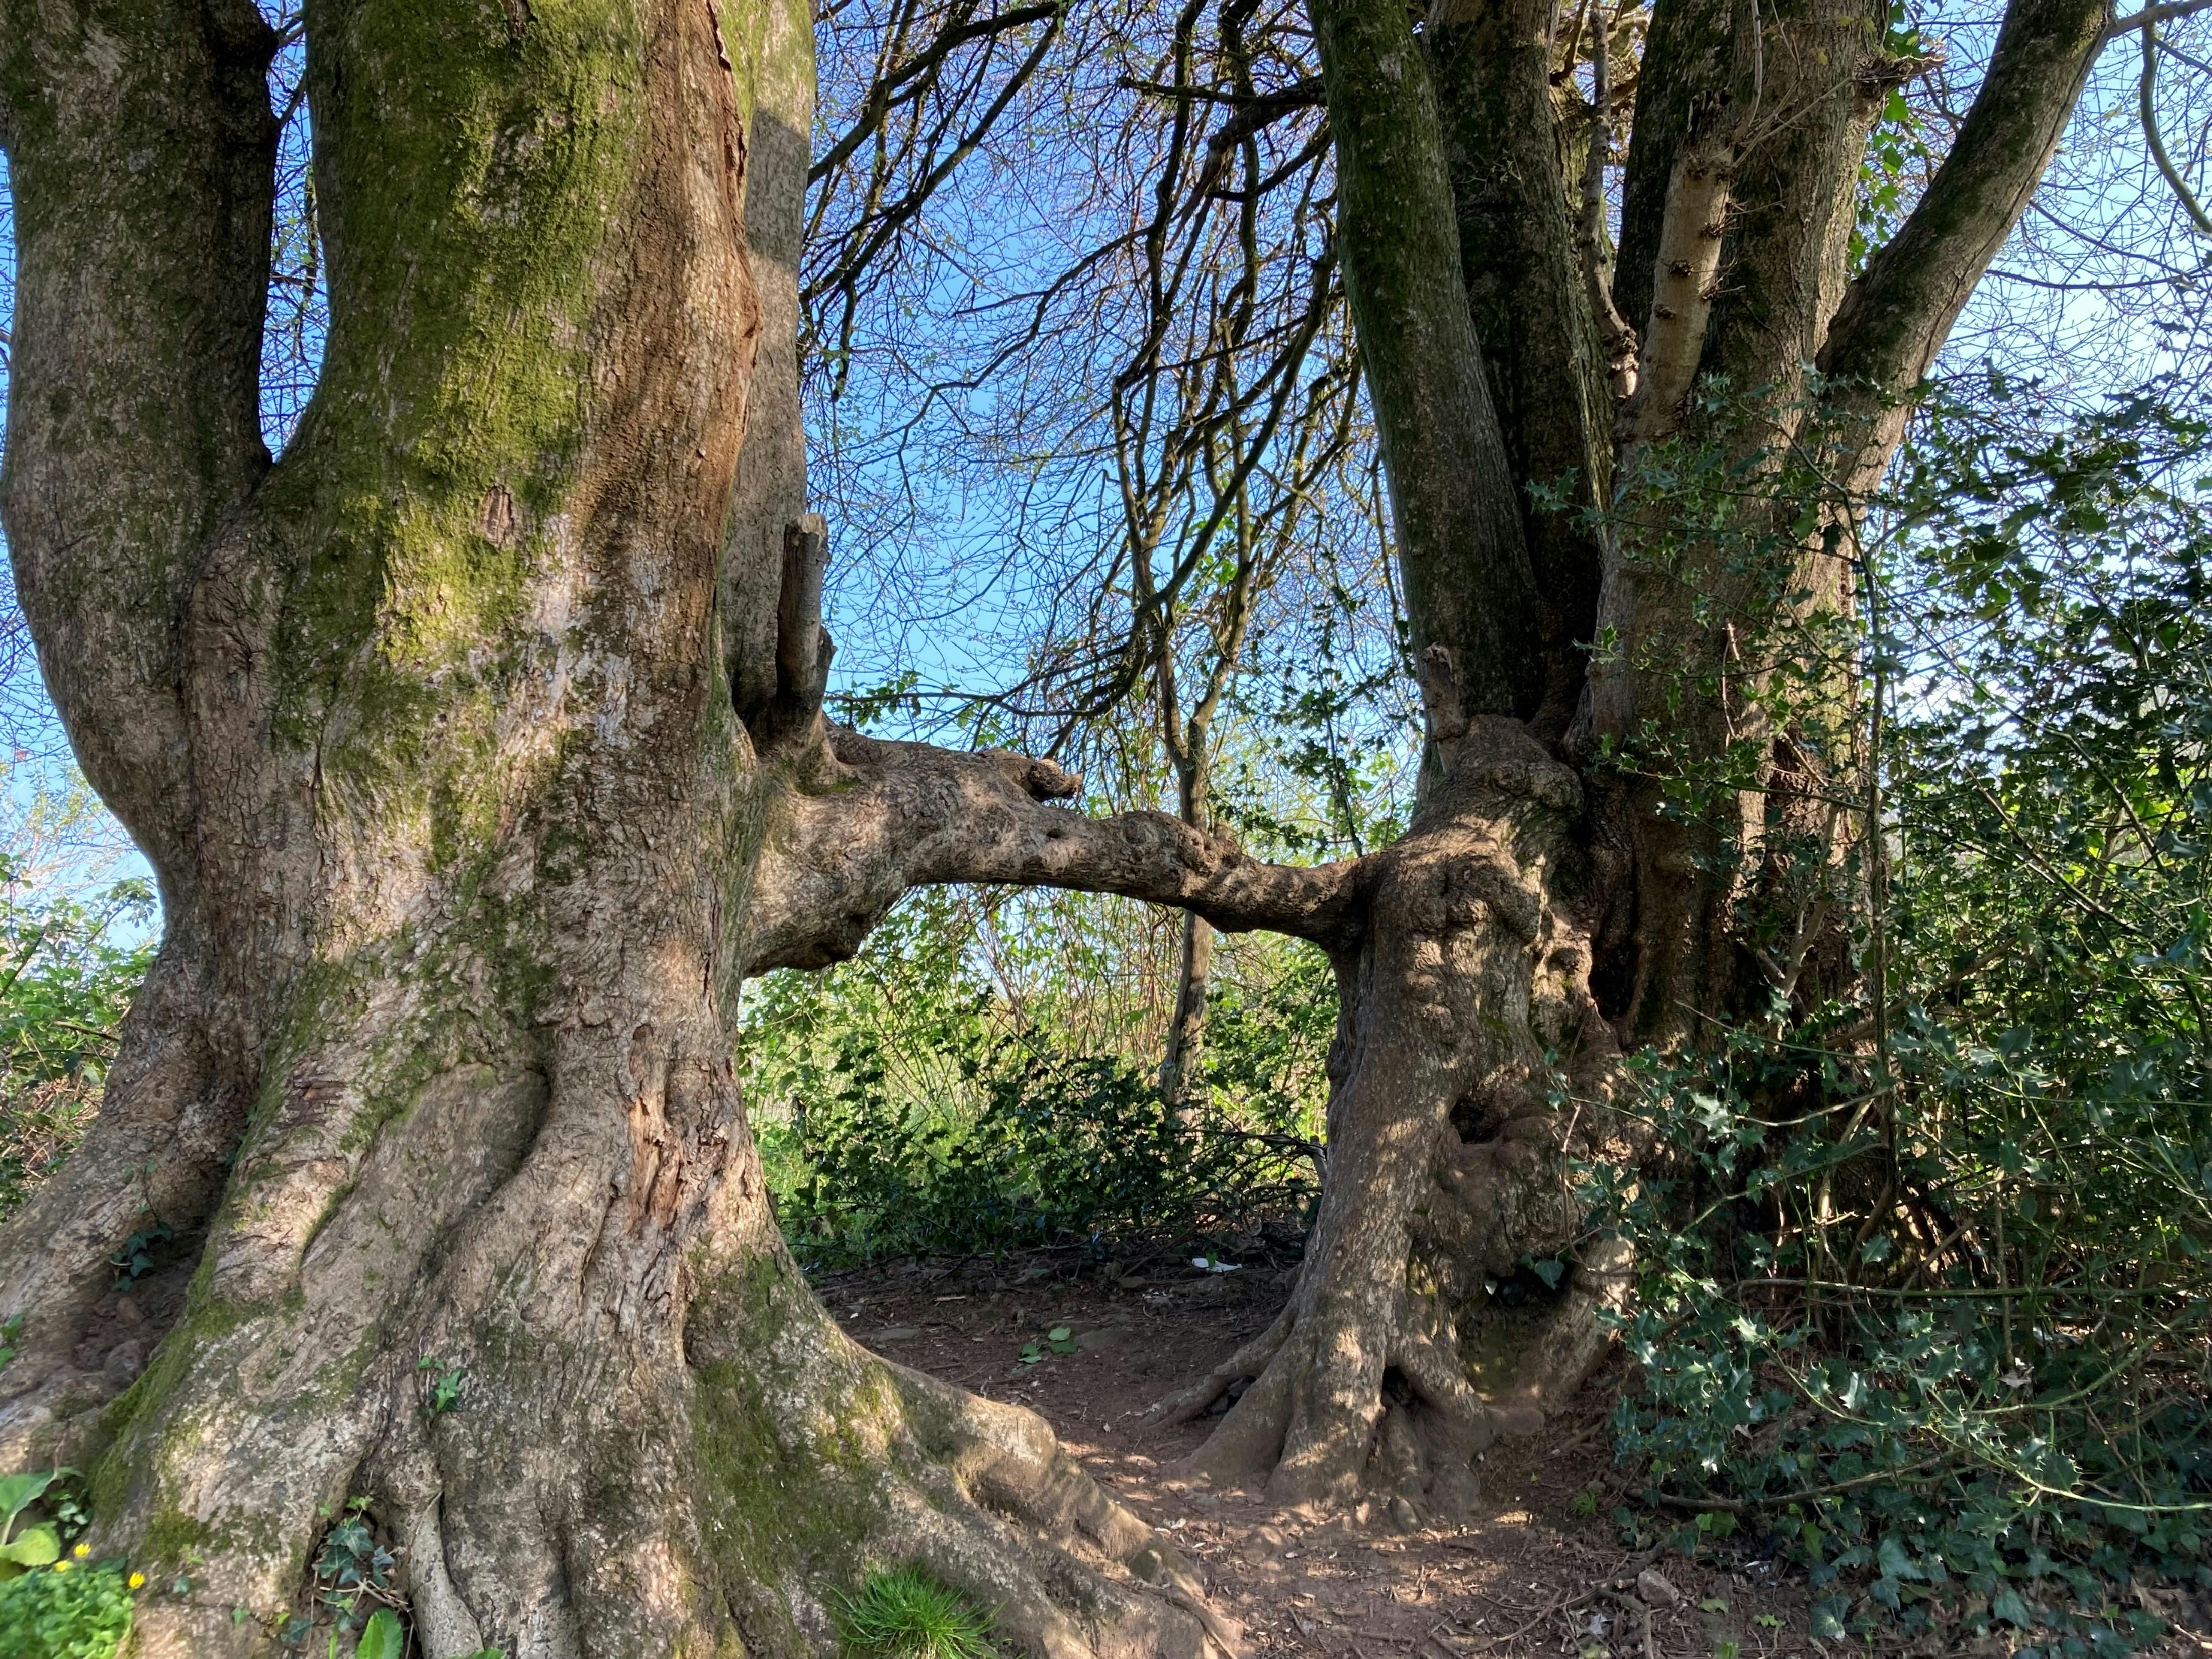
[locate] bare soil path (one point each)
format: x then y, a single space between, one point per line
1539 1570
1527 1575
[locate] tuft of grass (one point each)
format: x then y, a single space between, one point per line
902 1613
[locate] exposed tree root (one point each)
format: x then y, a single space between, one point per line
170 1114
528 1308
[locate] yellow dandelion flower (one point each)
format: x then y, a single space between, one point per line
60 1566
137 1581
83 1551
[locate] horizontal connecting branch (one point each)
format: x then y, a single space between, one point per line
887 817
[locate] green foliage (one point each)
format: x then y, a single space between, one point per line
921 1115
71 957
904 1614
36 1546
1899 160
137 1257
353 1572
441 1386
382 1638
67 1611
1926 1277
1064 1151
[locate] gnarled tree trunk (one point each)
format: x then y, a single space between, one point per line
464 849
1549 910
479 753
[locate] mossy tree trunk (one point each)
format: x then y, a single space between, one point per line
431 729
477 744
1550 910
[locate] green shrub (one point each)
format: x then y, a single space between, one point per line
1063 1151
905 1106
1926 1270
904 1614
70 960
67 1611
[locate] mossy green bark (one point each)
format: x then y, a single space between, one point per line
1468 584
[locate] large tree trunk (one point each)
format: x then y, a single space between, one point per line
472 812
1535 864
1403 1352
466 852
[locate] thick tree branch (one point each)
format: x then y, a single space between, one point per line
142 153
1895 318
1469 586
1518 259
891 817
1685 72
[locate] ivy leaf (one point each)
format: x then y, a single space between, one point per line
1828 1617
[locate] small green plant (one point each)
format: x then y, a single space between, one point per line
902 1613
1583 1505
137 1257
10 1329
65 1611
35 1547
1059 1340
352 1569
382 1638
443 1391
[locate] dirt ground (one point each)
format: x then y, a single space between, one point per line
1539 1570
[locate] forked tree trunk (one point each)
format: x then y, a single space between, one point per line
1410 1339
463 848
471 813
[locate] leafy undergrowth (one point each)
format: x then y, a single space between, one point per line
904 1614
1926 1285
922 1115
70 964
1063 1151
70 1610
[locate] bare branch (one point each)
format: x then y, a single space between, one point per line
2154 15
2147 108
1895 318
897 87
885 817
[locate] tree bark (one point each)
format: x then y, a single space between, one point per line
1533 869
465 852
443 737
1397 1359
1521 264
1469 586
